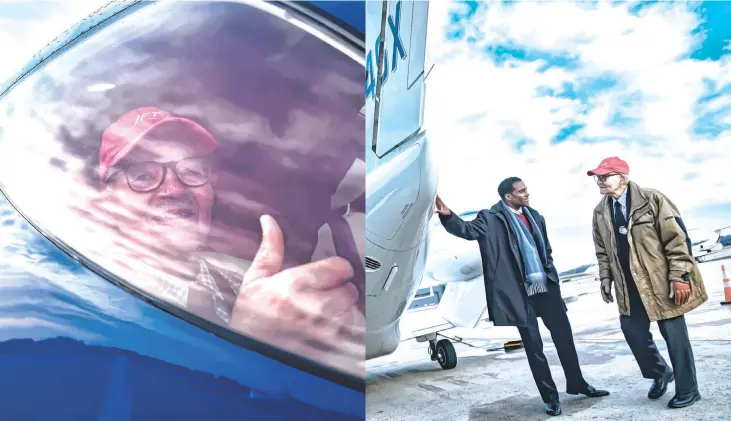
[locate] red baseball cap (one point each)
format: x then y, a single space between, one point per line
610 165
125 133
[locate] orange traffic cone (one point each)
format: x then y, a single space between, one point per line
726 287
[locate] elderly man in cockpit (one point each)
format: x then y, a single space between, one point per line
158 167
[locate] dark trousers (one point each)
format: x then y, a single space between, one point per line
636 329
549 307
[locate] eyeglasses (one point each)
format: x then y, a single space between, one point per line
147 176
604 178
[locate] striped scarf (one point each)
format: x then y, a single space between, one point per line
533 250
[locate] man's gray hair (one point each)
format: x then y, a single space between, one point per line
625 177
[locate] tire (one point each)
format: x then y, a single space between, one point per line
446 354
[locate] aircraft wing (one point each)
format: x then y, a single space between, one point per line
457 264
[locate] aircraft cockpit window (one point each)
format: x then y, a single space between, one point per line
153 147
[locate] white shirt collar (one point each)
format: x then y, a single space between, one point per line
623 198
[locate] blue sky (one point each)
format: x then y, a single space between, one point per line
545 90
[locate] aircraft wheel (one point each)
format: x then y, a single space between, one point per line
446 354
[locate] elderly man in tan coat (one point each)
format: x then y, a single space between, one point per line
643 248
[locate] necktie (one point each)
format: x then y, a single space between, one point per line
619 218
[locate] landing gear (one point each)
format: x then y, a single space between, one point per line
444 353
441 351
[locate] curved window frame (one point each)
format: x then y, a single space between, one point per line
307 18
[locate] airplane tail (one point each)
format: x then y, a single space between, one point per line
395 64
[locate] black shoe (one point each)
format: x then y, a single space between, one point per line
686 399
590 391
553 408
660 386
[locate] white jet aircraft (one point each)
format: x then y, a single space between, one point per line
401 184
401 180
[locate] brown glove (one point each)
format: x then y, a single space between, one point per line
681 292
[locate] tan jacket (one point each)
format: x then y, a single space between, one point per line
660 252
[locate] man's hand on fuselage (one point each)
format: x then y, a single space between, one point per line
441 208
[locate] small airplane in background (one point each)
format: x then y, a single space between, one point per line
713 244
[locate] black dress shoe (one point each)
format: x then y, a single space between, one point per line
660 386
590 391
686 399
553 408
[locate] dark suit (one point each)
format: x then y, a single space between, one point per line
508 303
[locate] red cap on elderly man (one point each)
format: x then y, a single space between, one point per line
610 165
130 129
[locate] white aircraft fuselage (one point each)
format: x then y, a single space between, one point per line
401 181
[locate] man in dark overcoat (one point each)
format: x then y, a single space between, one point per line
522 284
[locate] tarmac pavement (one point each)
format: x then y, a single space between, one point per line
495 385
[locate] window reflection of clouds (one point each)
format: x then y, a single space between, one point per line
19 240
286 125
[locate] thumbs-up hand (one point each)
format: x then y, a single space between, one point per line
307 309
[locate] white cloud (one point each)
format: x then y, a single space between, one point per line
476 109
26 30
